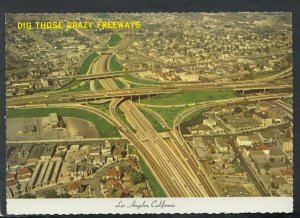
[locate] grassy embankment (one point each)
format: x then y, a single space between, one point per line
192 119
105 129
156 124
188 97
114 40
154 185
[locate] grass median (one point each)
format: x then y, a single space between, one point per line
86 63
114 40
114 64
105 129
169 114
188 97
153 121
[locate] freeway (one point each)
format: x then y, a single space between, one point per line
139 91
176 177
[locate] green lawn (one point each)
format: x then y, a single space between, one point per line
98 85
104 107
121 115
114 64
288 100
154 185
153 120
119 83
169 114
104 128
87 62
188 97
114 39
81 88
69 85
192 119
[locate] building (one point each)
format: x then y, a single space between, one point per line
286 144
48 151
243 141
266 136
263 119
209 122
222 145
23 174
24 151
35 153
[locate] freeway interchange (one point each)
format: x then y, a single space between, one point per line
174 164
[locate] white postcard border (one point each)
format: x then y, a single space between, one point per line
180 205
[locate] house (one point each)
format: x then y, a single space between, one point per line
276 153
132 163
11 179
117 153
277 165
113 173
106 149
200 129
102 160
243 141
74 188
277 114
257 154
113 183
286 144
110 158
23 174
61 148
266 136
222 145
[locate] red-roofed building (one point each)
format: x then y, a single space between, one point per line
113 173
132 163
23 174
113 183
74 188
287 174
10 179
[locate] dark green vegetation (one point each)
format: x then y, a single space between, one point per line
114 64
153 120
154 185
119 83
121 115
69 85
104 107
105 129
169 114
189 97
98 85
114 39
192 119
237 167
288 100
87 62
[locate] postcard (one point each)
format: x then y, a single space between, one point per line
117 113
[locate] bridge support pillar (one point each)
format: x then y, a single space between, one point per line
264 91
139 99
148 96
131 98
243 92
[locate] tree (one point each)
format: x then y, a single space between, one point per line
238 110
50 194
138 177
